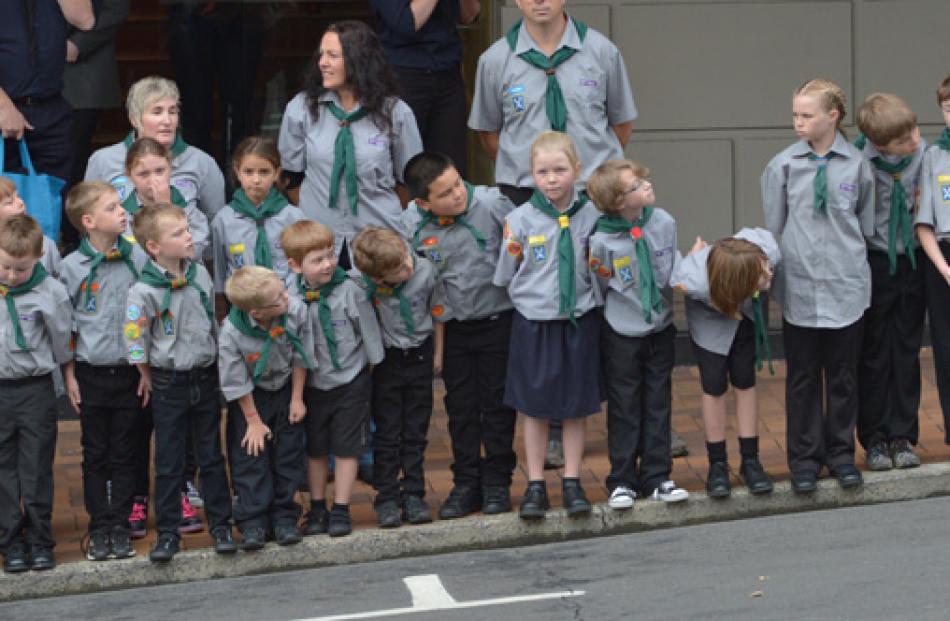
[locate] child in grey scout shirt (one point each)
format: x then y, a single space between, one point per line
171 338
11 205
149 166
404 289
265 352
554 357
459 227
550 71
247 231
818 194
34 340
350 102
101 384
725 285
339 390
933 230
152 105
889 372
632 253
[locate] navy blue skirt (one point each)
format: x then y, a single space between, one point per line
554 367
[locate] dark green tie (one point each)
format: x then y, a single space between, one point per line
122 251
322 297
554 104
273 204
132 205
944 140
344 157
242 321
566 261
178 147
374 291
650 298
821 182
153 278
761 325
9 293
899 217
427 217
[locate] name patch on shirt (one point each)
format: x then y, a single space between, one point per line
186 186
847 187
588 82
944 182
377 141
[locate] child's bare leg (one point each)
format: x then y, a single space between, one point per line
747 411
714 417
575 433
535 445
344 477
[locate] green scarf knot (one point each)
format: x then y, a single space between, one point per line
154 278
650 298
322 297
899 217
122 251
344 157
273 204
427 217
821 182
242 321
566 261
10 293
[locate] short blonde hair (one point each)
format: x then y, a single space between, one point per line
303 237
830 96
147 91
7 187
378 252
251 287
151 220
884 117
943 91
82 199
21 236
604 186
555 141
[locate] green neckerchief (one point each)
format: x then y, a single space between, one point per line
566 261
554 104
242 321
405 307
122 251
899 217
132 206
821 182
9 293
861 141
322 297
344 157
178 147
650 298
761 324
154 278
944 140
427 217
273 204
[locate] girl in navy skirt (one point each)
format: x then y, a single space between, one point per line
553 364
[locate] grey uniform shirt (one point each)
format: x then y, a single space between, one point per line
98 323
709 328
884 188
51 257
238 354
358 340
306 145
614 265
234 238
197 225
194 173
424 294
45 319
827 281
509 99
528 265
935 191
182 341
465 270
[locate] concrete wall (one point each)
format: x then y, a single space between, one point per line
713 82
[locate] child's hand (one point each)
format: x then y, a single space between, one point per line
698 245
72 391
145 389
297 412
257 434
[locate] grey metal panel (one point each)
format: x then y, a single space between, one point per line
752 154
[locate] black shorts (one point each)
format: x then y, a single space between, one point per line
338 419
738 364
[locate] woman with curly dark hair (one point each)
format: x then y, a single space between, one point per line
345 139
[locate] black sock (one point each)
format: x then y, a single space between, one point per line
749 448
716 451
318 503
339 507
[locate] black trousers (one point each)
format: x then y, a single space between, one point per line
27 446
889 372
402 407
821 395
637 372
937 292
474 364
437 99
109 418
182 399
265 485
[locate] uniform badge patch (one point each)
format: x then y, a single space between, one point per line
944 182
624 270
136 353
168 324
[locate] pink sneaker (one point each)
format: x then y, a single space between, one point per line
190 522
138 518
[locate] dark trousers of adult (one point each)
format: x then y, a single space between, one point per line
27 448
109 418
637 372
265 485
937 292
889 371
474 366
182 399
437 99
821 395
402 407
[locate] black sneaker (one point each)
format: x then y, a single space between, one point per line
717 480
804 482
415 510
340 523
42 559
315 523
387 514
575 501
165 548
253 538
98 548
223 540
15 559
495 499
121 543
535 503
287 534
848 476
462 500
756 478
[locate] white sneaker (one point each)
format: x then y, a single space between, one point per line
669 492
194 497
621 498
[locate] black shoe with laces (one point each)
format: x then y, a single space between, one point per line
574 498
42 558
535 503
387 514
316 521
756 478
495 499
223 540
848 476
717 480
15 559
121 543
287 534
165 548
340 523
253 538
415 510
804 482
98 546
461 501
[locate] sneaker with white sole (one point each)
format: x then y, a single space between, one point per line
621 498
669 492
194 496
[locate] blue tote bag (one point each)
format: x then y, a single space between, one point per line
41 193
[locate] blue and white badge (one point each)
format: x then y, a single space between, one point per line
539 253
168 325
518 104
133 312
625 274
92 304
943 181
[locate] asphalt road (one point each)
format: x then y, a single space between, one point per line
880 562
